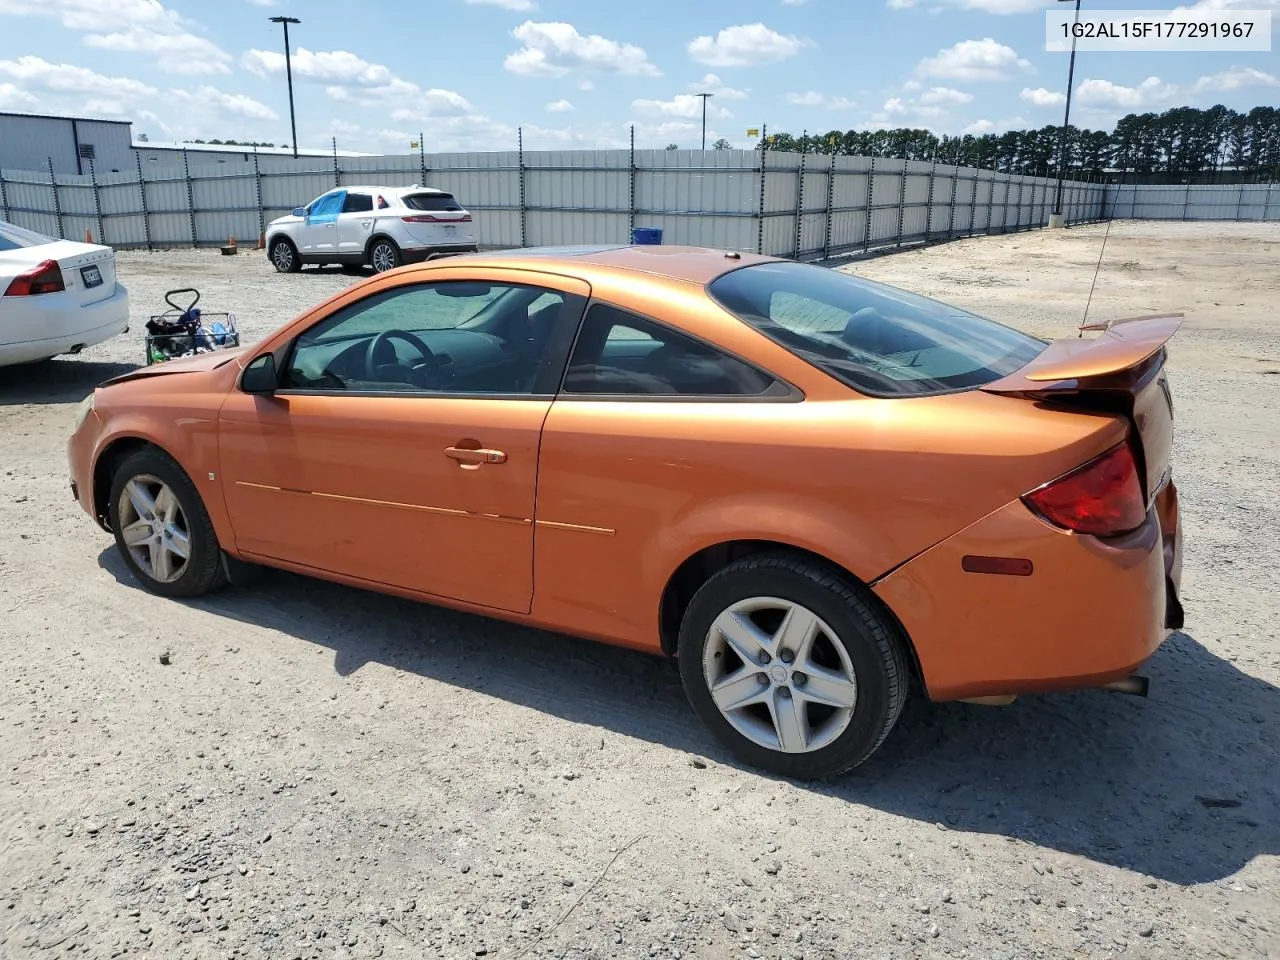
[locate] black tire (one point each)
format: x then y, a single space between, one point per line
873 643
384 251
284 256
203 570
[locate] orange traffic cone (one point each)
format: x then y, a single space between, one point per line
232 242
262 241
88 235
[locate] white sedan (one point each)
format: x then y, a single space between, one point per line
382 227
56 296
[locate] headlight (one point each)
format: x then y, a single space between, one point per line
83 410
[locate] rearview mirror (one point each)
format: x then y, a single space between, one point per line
260 376
299 211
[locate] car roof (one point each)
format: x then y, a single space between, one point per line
361 188
695 264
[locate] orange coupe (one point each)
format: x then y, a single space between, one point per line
810 489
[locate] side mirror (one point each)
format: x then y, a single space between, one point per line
299 211
260 376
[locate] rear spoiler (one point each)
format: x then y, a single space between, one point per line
1070 365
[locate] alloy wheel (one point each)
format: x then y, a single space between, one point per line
383 258
154 528
779 675
282 257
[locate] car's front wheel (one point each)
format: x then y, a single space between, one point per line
284 256
161 527
792 667
384 255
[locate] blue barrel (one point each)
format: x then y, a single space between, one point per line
648 236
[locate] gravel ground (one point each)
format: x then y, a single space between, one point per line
321 772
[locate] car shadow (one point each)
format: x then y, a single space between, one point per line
1183 786
61 380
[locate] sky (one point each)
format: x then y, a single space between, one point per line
576 74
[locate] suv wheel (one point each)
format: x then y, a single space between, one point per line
384 255
284 257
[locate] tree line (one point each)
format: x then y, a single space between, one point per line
1181 141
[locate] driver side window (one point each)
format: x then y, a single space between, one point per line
454 337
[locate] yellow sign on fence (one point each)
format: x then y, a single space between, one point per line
753 132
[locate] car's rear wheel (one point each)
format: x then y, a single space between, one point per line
384 255
792 667
284 257
161 527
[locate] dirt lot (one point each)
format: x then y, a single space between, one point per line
322 772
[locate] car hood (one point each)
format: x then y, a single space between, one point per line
286 219
200 363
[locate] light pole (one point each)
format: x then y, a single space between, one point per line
1055 218
288 69
705 97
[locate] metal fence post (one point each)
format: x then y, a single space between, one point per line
520 154
973 204
4 199
422 160
191 203
804 154
928 210
902 202
57 204
764 152
831 197
1266 203
631 189
871 187
955 187
1239 202
1004 203
142 196
257 184
337 172
97 202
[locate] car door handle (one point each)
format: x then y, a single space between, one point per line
474 457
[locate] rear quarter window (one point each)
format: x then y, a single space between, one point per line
15 238
875 338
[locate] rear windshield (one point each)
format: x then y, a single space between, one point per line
877 339
431 202
15 238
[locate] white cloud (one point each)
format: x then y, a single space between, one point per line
1004 6
1232 5
519 5
1234 78
553 49
264 3
681 105
559 106
794 3
11 97
37 75
947 95
900 4
744 45
1103 92
812 98
979 127
712 84
1041 97
974 60
225 104
585 84
145 27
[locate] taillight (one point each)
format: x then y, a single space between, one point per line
430 218
46 278
1102 498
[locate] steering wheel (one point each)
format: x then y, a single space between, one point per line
385 338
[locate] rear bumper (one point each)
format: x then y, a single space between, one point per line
1090 612
50 328
418 254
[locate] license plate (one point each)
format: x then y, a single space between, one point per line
92 276
450 229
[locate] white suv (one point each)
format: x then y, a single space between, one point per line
382 227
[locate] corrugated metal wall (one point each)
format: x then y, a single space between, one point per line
793 205
1201 201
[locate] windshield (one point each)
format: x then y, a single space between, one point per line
876 338
15 238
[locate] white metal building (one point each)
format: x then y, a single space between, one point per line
159 154
30 141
